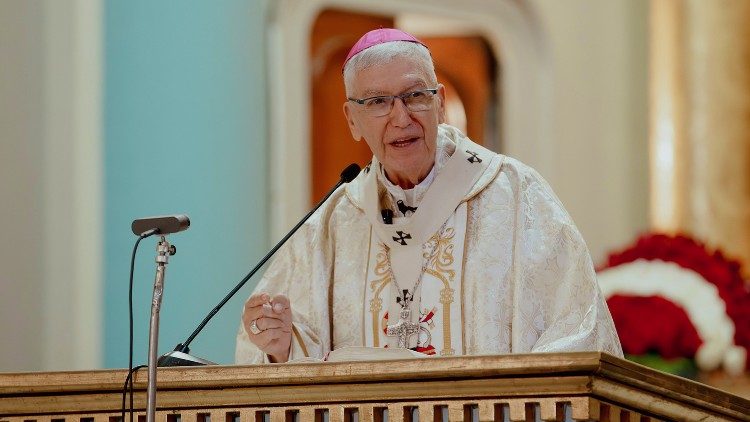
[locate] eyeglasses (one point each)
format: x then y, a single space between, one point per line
382 105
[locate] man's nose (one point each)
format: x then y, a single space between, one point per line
400 116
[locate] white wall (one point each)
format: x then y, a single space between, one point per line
598 54
50 199
21 199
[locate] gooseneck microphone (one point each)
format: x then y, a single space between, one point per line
180 356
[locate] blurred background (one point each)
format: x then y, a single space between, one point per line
637 112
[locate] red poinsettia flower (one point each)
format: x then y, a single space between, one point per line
686 252
653 324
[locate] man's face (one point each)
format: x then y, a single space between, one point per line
403 141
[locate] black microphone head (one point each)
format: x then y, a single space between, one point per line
164 224
350 172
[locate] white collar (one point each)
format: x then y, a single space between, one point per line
412 197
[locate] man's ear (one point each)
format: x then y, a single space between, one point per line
349 114
441 103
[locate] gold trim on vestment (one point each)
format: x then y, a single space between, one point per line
331 308
364 291
377 285
442 261
463 278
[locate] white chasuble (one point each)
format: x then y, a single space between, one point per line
499 265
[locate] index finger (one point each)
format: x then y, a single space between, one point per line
257 299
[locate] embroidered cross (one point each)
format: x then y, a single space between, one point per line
401 237
405 208
473 158
403 329
406 298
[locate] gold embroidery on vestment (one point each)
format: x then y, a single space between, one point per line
443 259
467 232
441 263
364 291
376 303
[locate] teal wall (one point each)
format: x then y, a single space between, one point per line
185 132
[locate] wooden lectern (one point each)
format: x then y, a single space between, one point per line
548 387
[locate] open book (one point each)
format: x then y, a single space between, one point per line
356 353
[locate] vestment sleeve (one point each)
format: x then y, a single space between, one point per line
560 302
301 270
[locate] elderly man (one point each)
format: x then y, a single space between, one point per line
439 245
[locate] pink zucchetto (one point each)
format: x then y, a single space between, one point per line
379 36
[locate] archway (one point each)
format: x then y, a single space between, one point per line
524 79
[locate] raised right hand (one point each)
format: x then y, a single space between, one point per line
273 319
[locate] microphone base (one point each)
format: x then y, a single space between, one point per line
176 358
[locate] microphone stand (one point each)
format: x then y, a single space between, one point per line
163 251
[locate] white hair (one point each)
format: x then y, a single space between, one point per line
384 53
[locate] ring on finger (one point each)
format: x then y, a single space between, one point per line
254 327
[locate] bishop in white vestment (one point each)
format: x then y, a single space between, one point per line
439 245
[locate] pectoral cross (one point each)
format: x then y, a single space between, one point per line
403 329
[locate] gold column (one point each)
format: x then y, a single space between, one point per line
700 121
